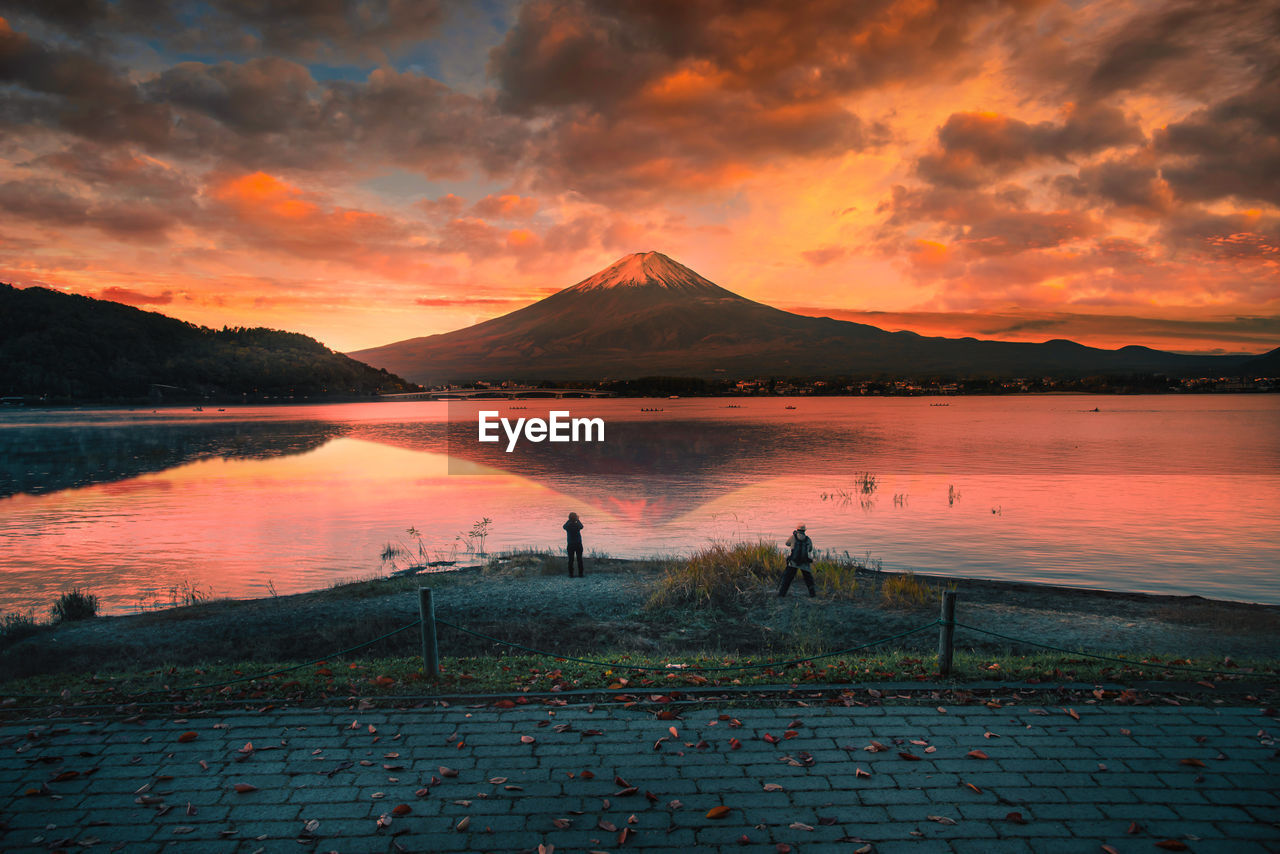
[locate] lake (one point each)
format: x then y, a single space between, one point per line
1164 494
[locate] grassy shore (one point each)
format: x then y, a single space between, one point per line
713 621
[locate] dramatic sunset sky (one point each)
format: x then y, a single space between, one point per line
365 171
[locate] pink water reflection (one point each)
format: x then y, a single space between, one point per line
302 513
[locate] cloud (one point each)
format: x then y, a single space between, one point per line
824 256
1231 149
641 96
263 210
1185 47
75 91
332 30
265 113
1241 237
505 206
442 302
976 148
135 298
596 53
58 204
1133 186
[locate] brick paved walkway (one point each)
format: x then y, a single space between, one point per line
1120 776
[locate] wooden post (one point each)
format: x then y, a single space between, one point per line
430 649
946 632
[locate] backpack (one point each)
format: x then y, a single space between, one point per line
802 551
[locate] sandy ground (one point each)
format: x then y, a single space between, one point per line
608 610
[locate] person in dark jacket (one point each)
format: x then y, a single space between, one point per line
800 557
574 529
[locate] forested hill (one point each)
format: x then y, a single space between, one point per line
68 347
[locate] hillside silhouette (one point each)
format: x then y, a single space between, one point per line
68 347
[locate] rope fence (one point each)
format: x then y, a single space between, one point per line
734 668
427 620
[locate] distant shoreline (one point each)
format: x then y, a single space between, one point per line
188 406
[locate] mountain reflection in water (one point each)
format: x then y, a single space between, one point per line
1166 494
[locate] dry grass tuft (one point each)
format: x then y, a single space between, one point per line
719 575
904 590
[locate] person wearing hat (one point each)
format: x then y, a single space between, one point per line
800 557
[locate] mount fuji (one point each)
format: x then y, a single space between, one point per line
647 315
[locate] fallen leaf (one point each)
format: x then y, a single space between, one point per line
858 772
401 809
1016 818
772 739
734 744
377 796
977 754
942 819
562 823
311 826
772 787
245 787
447 772
607 826
527 739
1134 827
1109 850
463 824
975 788
1171 845
625 834
1072 713
909 756
718 812
187 736
796 825
674 732
931 749
1194 763
876 747
782 848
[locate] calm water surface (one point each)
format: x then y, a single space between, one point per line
1156 494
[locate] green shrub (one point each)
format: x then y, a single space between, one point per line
75 605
